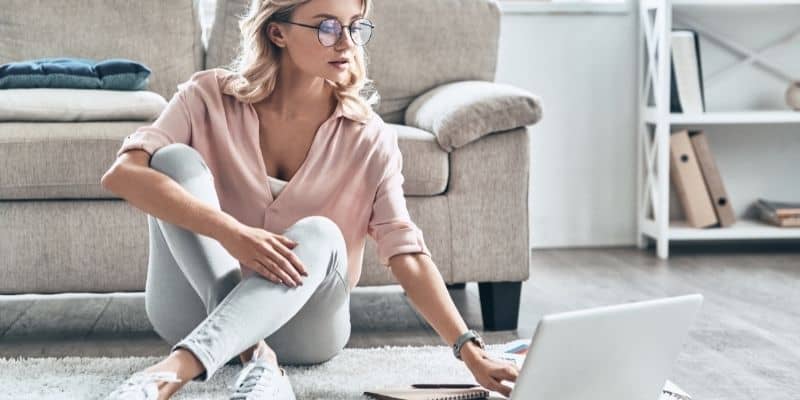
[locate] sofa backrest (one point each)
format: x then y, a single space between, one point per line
163 35
417 45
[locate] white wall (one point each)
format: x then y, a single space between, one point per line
583 176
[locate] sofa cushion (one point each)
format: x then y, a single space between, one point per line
50 160
74 73
461 112
44 104
425 164
63 160
164 35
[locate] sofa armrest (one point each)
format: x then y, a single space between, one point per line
461 112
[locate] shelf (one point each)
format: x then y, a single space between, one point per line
742 229
727 117
701 3
564 7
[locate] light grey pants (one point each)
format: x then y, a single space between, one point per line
196 299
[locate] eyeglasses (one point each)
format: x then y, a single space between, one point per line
330 30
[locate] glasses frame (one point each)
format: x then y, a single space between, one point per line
349 30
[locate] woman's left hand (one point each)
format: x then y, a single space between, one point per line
489 372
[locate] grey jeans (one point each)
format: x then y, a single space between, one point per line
196 299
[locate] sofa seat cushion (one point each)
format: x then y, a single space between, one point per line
425 164
54 160
63 160
61 104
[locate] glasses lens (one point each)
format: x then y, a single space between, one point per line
361 31
329 32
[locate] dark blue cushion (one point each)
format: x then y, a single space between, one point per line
75 73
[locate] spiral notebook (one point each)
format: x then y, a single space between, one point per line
410 393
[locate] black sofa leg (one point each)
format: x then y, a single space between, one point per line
456 286
499 304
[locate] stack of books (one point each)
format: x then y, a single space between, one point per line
778 213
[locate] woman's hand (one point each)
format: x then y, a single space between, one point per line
487 371
266 253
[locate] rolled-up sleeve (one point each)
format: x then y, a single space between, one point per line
390 224
173 125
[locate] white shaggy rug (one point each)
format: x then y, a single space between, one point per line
346 376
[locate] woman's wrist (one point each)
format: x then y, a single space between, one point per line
471 352
226 226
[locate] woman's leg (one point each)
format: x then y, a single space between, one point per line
188 274
258 308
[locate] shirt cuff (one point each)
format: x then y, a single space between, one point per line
407 240
149 141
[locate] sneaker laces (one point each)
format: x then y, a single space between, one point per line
256 379
136 386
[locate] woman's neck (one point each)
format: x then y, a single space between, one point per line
298 95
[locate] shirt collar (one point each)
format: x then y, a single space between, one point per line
342 111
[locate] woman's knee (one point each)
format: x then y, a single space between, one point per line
178 161
320 229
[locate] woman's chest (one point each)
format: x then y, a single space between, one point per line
285 146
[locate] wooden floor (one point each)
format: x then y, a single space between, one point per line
745 344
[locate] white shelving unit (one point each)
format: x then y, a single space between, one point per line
657 123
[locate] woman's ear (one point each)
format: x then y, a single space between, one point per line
275 35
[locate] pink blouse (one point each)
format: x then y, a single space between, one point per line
352 173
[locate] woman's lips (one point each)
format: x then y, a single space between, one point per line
339 64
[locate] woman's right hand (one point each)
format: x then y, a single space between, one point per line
266 253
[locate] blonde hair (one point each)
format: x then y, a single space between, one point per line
255 68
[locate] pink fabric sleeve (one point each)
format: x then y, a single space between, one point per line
390 224
173 125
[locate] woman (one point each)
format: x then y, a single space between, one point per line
284 141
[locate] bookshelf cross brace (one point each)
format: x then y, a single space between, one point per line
751 57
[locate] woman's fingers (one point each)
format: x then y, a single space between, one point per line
266 273
281 273
283 266
507 372
287 241
290 256
499 387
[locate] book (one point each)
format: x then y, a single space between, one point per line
686 73
411 393
782 209
768 213
719 197
516 350
689 184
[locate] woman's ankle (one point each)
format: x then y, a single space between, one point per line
265 352
182 362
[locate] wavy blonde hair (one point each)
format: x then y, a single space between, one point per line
255 68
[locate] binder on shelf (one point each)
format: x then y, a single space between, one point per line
719 197
689 183
686 74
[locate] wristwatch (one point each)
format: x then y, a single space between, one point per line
469 335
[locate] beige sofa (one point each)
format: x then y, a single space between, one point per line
466 163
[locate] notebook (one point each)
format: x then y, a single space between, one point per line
410 393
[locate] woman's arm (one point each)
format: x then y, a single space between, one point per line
155 193
426 290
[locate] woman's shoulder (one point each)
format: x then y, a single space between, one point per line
203 89
208 79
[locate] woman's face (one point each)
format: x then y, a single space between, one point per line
303 47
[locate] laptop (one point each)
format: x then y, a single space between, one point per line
619 352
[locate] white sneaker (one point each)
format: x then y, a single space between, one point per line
261 379
142 386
